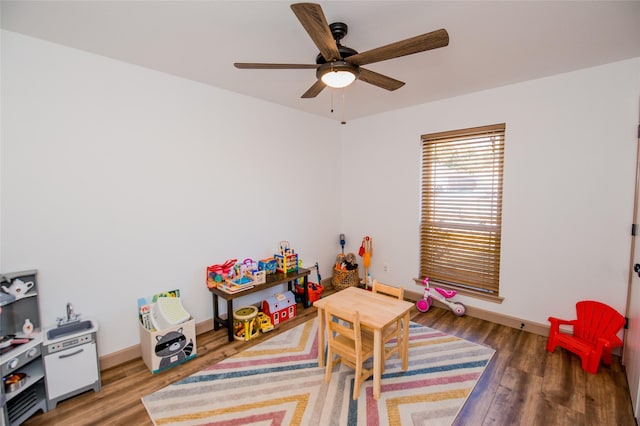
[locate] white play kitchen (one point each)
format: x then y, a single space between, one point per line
41 367
70 356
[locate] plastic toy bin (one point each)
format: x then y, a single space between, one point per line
314 291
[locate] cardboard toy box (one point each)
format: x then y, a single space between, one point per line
169 347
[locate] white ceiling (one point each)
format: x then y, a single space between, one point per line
491 43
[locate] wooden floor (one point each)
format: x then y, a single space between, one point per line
523 385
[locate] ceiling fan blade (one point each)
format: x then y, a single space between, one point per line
379 80
421 43
256 66
313 20
314 90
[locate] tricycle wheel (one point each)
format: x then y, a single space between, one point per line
423 305
459 309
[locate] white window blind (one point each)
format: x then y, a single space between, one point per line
461 208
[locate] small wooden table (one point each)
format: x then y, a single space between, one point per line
288 278
376 312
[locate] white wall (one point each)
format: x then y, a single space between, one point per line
119 182
568 186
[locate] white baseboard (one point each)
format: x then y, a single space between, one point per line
509 321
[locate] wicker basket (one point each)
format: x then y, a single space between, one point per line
344 278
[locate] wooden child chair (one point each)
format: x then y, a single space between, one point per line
393 330
594 334
344 339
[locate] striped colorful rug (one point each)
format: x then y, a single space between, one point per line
278 382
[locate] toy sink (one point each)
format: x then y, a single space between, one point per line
70 329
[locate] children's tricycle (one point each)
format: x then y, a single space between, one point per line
441 295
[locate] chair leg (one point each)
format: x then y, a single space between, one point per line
593 366
551 344
328 366
357 381
590 363
400 340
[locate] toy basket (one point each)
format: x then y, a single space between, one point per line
345 278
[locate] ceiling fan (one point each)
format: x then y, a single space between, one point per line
337 65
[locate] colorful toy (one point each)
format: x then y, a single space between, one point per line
314 290
243 273
264 322
280 307
247 267
366 251
346 262
441 295
245 325
287 259
268 265
218 273
285 248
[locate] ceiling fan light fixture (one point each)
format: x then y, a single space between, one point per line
338 74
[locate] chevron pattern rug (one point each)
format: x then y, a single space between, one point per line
278 382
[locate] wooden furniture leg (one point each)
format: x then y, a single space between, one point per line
218 321
320 337
230 319
216 314
378 359
405 341
305 283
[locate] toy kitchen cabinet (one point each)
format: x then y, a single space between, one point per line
23 391
70 354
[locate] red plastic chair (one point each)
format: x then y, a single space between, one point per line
594 334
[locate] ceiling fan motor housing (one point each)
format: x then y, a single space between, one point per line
345 52
338 30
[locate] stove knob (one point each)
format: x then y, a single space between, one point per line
13 363
32 352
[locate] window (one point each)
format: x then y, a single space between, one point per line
461 209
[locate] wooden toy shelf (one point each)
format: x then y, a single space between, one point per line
272 280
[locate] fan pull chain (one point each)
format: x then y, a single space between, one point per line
344 107
331 101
